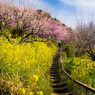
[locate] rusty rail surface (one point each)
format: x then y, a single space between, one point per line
75 81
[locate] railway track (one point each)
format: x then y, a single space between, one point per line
59 86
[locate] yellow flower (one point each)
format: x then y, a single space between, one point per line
21 22
35 78
22 90
24 35
54 94
40 93
30 93
89 84
3 23
8 17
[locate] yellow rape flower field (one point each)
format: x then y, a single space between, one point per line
81 68
24 68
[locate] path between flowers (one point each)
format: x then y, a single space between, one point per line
59 86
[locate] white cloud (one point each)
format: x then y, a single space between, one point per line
84 9
82 3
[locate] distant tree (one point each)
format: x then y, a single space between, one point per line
85 36
43 13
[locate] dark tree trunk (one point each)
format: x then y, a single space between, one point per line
93 57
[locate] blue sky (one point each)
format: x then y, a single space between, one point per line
70 11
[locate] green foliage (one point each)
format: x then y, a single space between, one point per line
69 49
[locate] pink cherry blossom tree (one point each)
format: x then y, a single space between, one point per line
28 21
